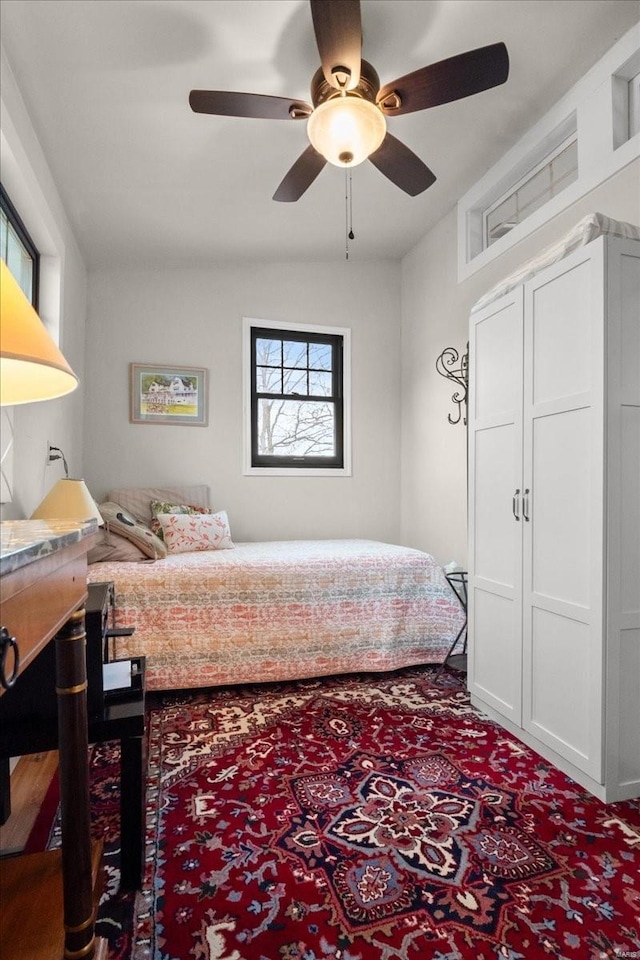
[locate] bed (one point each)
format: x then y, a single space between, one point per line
279 610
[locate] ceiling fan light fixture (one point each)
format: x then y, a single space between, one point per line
346 129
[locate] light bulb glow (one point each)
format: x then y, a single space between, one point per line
346 129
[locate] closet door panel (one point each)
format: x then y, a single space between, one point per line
559 677
629 493
560 538
561 342
497 475
563 572
623 518
497 385
495 541
626 748
497 660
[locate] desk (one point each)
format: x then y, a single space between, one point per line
28 724
43 573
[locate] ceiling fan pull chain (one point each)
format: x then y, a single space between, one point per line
351 233
348 210
346 213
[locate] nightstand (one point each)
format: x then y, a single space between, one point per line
458 583
123 719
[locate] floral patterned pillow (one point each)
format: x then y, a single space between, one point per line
187 532
160 506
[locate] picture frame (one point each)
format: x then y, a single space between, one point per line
168 394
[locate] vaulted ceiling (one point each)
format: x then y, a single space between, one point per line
143 178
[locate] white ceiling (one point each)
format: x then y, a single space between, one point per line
144 179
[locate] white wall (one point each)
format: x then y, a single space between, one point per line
193 316
435 314
27 180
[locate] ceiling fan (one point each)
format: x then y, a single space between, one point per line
347 122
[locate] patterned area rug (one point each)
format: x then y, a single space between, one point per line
370 817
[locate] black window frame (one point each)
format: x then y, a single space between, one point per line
336 342
15 220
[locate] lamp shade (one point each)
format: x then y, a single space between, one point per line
346 129
31 365
68 500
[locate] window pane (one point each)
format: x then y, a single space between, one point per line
3 236
634 105
564 168
14 254
296 428
320 383
17 249
502 219
534 193
294 381
268 380
19 262
269 352
320 356
294 353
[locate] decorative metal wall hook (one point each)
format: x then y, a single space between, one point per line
453 366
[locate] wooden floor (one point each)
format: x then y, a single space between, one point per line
29 782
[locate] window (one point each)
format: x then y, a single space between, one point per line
21 257
625 93
633 89
17 249
297 397
539 185
588 136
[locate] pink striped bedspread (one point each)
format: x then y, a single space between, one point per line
282 610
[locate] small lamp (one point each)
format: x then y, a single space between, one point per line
31 365
68 500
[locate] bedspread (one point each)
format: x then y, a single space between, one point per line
282 610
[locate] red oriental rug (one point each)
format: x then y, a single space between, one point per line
369 818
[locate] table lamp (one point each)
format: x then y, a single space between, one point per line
31 365
69 499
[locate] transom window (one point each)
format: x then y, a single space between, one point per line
17 249
634 105
542 183
297 398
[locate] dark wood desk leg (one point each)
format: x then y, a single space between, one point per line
71 687
5 790
132 803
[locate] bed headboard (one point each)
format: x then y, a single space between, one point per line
137 500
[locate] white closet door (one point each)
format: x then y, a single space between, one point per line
563 508
495 524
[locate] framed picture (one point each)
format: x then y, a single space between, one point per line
171 395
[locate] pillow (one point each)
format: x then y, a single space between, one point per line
111 546
187 533
161 506
117 520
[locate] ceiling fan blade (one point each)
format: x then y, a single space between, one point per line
300 176
224 103
445 81
338 30
401 165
